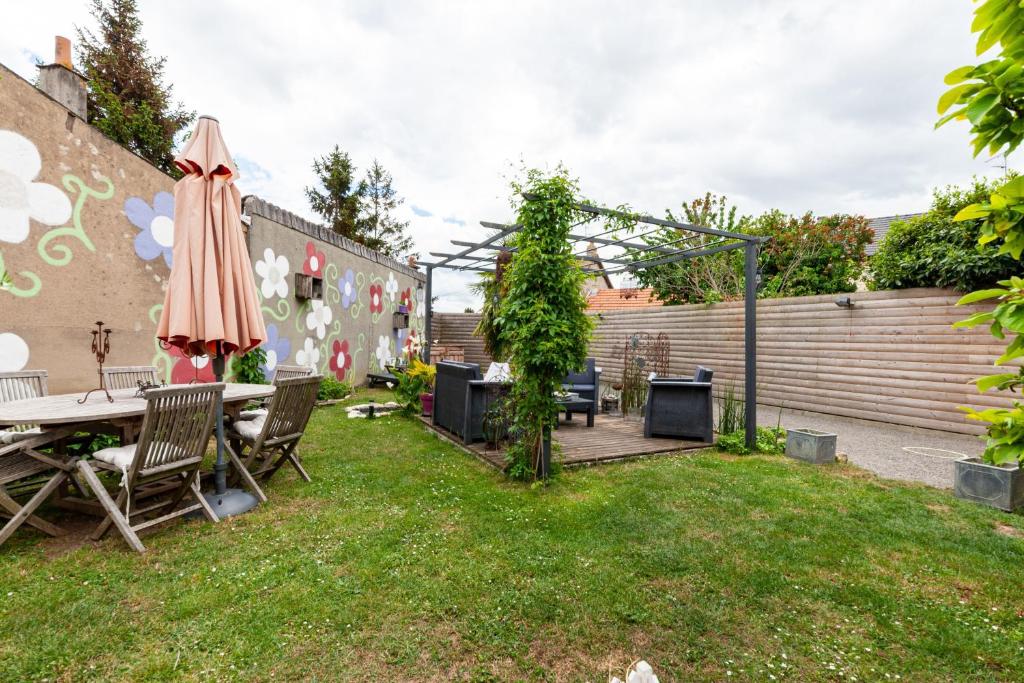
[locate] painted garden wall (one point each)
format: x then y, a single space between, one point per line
348 332
85 235
86 229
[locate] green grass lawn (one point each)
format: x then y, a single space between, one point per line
406 559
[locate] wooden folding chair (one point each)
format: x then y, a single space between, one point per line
291 371
21 462
175 434
259 447
128 377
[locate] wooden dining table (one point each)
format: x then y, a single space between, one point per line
61 416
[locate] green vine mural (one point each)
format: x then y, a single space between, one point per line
357 306
281 312
7 284
73 184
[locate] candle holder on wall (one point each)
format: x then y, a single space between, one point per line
100 349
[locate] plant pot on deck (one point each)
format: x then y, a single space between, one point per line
427 401
998 486
811 446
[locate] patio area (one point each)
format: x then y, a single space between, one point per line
611 438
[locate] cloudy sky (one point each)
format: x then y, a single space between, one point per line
824 106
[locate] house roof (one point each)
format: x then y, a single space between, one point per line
622 299
881 225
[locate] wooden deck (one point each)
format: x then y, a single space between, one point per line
611 438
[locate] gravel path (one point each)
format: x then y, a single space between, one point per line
881 448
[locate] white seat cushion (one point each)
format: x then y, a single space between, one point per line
8 437
252 414
250 429
118 456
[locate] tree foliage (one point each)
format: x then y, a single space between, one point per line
542 318
991 97
338 196
378 226
362 210
934 250
803 255
128 100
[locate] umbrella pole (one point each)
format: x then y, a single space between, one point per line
224 501
220 468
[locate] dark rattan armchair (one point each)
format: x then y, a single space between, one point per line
681 407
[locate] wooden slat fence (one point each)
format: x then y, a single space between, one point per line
893 357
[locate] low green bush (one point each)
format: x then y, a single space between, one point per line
770 440
331 389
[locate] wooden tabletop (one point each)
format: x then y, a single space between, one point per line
62 409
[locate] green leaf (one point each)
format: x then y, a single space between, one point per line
976 319
958 75
981 105
980 295
950 97
971 212
989 381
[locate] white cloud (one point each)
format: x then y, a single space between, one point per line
824 106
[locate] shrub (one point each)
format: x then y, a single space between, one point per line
331 389
933 250
248 368
770 440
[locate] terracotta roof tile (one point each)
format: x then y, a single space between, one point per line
621 299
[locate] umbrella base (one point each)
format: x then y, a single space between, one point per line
232 502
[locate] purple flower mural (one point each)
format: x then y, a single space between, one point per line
156 224
347 287
278 349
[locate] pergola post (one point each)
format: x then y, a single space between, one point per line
429 324
750 341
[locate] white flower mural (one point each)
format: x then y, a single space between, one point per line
391 287
318 318
421 307
21 199
13 352
273 270
309 354
383 351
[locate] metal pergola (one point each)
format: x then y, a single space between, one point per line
481 257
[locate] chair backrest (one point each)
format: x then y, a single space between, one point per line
451 386
177 426
128 377
15 386
583 376
290 407
291 371
703 374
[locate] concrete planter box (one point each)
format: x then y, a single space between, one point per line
811 446
998 486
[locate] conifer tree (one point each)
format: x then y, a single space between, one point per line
128 100
337 199
380 229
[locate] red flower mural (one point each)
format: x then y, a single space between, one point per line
187 369
341 360
315 261
406 299
376 299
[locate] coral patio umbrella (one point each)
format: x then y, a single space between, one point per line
211 306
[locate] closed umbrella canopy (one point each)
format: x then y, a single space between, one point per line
211 297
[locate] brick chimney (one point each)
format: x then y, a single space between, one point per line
61 82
